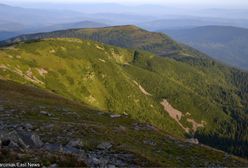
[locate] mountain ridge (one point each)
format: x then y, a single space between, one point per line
135 37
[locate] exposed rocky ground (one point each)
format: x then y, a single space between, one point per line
25 138
56 132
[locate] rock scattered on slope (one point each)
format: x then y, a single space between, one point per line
143 127
115 116
149 142
75 143
12 140
104 146
28 126
20 140
53 147
109 159
46 113
36 140
1 108
193 141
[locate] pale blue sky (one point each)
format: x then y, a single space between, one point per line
197 2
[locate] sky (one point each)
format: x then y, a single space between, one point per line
237 3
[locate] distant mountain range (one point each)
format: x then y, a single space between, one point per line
5 35
34 18
224 43
74 25
52 17
187 22
16 20
83 24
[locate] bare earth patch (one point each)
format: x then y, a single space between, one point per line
196 125
142 89
10 56
177 115
18 57
91 99
28 75
42 71
3 66
174 113
102 60
99 47
52 51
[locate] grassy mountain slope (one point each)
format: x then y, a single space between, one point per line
22 106
212 98
226 44
122 36
85 71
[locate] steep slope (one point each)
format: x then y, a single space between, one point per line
85 71
71 134
190 97
226 44
122 36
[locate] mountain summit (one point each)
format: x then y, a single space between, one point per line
128 36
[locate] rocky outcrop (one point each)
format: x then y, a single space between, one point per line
46 113
75 143
24 138
104 145
20 140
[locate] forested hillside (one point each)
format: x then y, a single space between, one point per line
223 43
